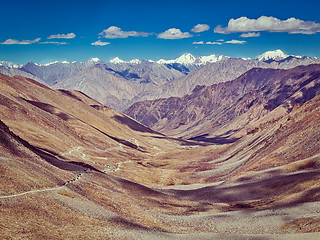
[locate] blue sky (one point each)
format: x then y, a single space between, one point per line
46 31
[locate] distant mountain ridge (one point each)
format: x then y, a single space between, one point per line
219 108
119 83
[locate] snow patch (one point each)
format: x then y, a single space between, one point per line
95 59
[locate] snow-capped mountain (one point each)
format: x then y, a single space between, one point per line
276 55
89 61
185 59
116 60
188 59
202 60
135 61
96 60
9 64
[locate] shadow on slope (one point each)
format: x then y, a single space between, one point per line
216 140
183 142
133 124
49 108
271 192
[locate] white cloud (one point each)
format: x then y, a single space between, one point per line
65 36
235 42
250 34
57 43
270 24
23 42
214 43
174 33
99 43
116 32
200 28
220 40
198 43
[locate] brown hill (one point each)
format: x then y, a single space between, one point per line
72 168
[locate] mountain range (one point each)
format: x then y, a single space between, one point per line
245 165
119 83
224 109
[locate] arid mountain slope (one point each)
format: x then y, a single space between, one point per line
106 86
72 119
118 86
207 110
72 168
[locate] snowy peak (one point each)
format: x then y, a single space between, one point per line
134 61
91 61
208 59
9 64
185 59
116 60
276 55
95 60
162 61
188 59
47 64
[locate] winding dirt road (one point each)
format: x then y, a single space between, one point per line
78 176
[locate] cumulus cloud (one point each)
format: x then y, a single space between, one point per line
220 40
114 32
64 36
174 33
235 42
23 42
57 43
198 43
99 43
250 34
214 43
270 24
200 28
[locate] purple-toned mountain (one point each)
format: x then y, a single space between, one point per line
224 109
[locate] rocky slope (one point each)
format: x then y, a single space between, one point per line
119 85
208 109
72 168
107 86
14 71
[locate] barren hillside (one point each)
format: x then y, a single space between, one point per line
72 168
